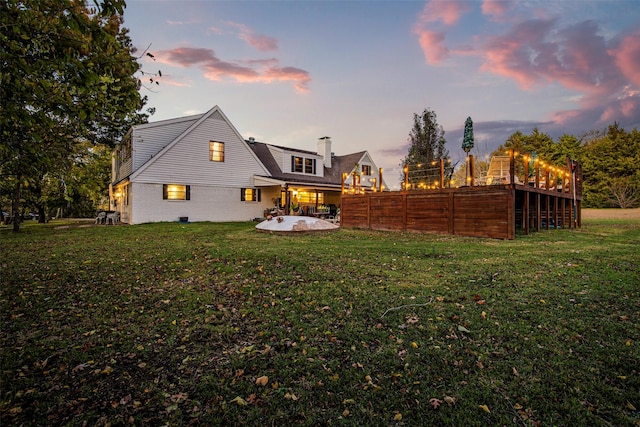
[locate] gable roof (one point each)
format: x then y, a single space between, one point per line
200 120
332 176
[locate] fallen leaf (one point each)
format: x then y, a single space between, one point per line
397 417
262 381
450 400
485 408
240 401
515 371
435 402
463 329
291 396
345 413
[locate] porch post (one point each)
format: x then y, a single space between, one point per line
287 200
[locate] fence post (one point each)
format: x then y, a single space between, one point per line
512 166
406 176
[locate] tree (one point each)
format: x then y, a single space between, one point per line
610 164
427 147
67 76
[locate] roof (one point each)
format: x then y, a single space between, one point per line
332 175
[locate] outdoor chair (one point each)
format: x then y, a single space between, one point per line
334 219
113 218
101 218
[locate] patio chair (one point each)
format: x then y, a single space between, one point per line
113 218
334 219
101 218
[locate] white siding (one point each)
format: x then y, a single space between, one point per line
283 157
148 139
207 203
187 162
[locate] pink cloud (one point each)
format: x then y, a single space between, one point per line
627 57
535 52
264 71
445 11
260 42
497 9
432 44
432 41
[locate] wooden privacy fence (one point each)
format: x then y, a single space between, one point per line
471 211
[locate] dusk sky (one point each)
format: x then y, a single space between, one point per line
289 72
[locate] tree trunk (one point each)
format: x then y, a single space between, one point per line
15 205
41 215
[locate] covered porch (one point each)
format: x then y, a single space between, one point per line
301 198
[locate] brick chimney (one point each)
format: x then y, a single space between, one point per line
324 149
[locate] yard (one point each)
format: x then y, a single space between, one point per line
217 324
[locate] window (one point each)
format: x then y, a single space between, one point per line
309 197
176 192
310 166
296 164
250 194
303 165
216 151
366 169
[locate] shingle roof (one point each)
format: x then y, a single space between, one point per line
332 175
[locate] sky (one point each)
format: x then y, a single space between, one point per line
290 72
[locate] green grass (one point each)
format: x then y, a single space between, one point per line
169 324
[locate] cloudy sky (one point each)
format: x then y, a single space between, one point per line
289 72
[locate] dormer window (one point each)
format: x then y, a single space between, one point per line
310 166
304 165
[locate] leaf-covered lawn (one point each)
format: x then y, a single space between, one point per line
217 324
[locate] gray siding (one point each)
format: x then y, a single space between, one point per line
187 162
149 139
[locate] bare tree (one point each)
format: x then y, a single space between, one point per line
625 194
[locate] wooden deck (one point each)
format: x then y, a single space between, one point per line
493 211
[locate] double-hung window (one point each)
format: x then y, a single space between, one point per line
366 169
216 151
310 166
176 192
297 164
250 194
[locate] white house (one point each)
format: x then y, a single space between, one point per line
199 168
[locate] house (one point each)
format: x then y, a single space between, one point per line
199 168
